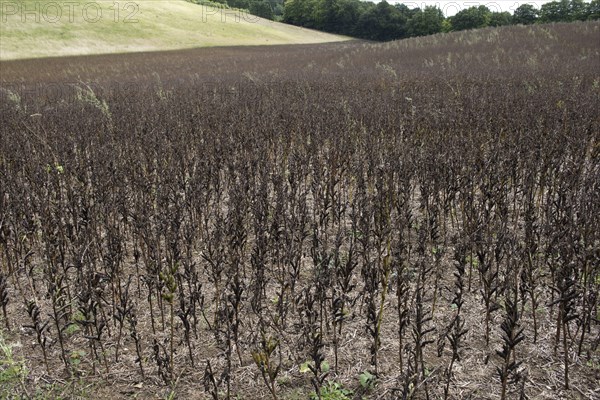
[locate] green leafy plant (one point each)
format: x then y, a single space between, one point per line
13 372
332 391
75 360
367 380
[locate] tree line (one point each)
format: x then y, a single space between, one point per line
269 9
384 21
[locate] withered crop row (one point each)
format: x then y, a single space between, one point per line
417 210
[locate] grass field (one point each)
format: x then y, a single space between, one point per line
46 28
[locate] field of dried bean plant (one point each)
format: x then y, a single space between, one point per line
409 220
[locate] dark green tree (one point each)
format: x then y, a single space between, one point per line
525 14
347 14
578 10
471 18
300 12
556 11
500 19
326 14
404 10
593 9
261 9
381 22
243 4
277 10
426 22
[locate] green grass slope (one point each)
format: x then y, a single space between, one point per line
45 28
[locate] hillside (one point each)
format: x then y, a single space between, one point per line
32 29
